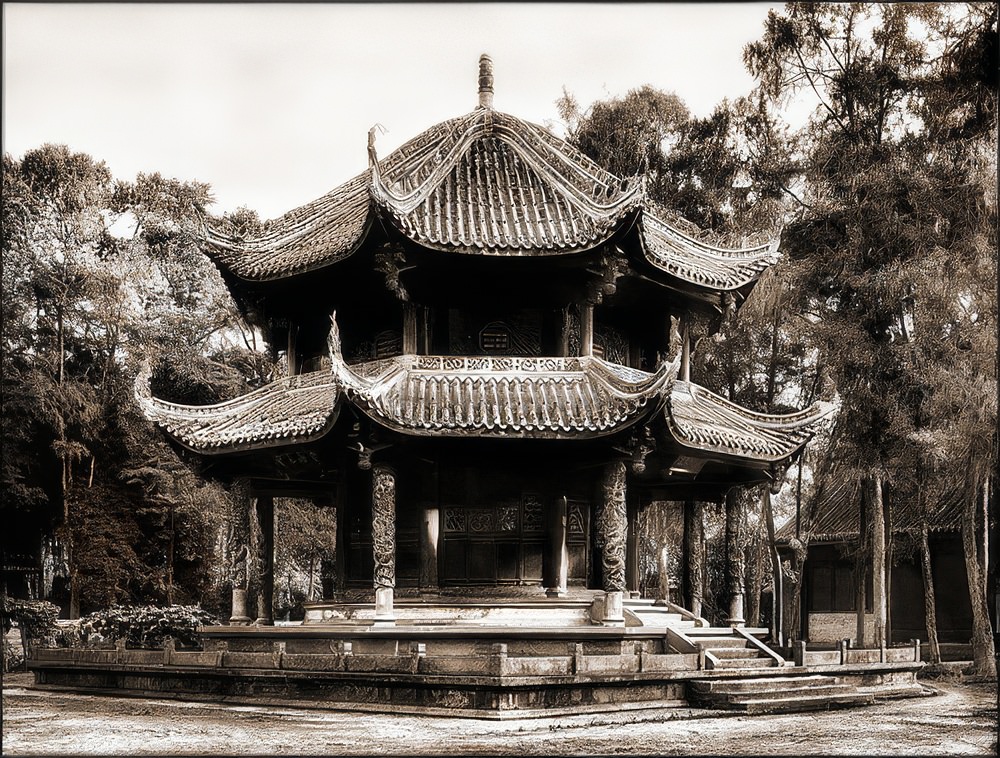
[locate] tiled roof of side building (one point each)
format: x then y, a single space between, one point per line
836 512
291 410
505 397
702 420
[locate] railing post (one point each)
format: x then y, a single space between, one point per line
916 651
843 645
799 652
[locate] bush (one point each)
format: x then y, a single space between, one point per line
146 626
36 620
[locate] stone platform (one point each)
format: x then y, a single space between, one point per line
470 658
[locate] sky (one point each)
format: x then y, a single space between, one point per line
271 104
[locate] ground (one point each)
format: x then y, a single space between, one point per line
960 720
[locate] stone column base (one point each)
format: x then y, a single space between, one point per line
239 617
384 615
614 615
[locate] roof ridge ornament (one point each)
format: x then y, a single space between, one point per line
485 82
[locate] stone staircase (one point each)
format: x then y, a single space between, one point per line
734 648
723 647
776 694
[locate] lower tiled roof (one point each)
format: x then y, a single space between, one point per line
486 397
700 419
489 396
294 409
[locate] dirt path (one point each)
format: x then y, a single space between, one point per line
962 719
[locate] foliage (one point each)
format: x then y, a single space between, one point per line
35 618
101 275
146 626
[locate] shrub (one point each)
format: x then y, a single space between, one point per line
36 620
146 626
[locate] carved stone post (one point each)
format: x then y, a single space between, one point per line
263 558
613 526
239 548
558 562
384 540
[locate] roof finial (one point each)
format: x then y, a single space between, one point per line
485 81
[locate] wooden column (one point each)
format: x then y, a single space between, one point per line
291 354
238 534
587 329
409 329
263 544
694 556
613 527
557 574
429 544
384 541
632 546
685 351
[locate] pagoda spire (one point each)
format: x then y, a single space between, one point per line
485 81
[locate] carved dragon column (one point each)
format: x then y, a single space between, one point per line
238 533
613 528
384 541
262 546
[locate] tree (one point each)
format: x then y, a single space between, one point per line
86 301
895 169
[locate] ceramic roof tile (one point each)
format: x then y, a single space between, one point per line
692 260
700 419
319 233
290 410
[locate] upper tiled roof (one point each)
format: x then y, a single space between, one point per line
486 183
294 409
499 397
317 234
493 184
695 261
700 419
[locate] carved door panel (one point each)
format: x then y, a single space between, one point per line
488 545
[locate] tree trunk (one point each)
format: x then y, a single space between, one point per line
861 567
694 556
930 609
983 650
777 593
879 593
663 572
170 558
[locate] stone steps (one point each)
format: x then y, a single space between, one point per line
777 694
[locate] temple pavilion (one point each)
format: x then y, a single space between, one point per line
488 340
